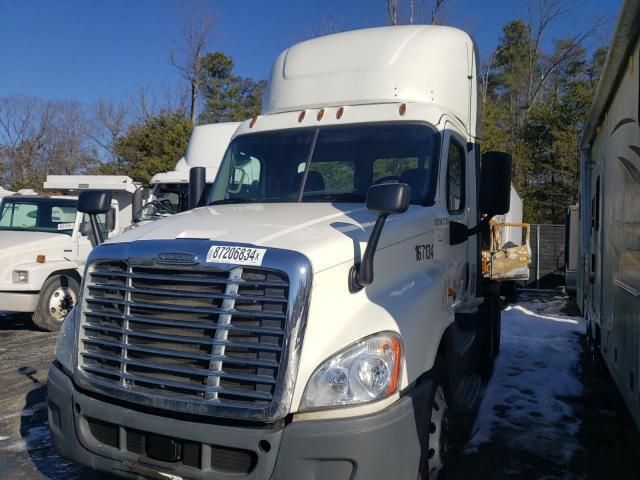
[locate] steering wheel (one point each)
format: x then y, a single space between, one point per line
387 179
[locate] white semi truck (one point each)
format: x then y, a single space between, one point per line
325 316
44 244
608 277
169 190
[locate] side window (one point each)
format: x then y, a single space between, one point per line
455 177
85 226
245 177
63 217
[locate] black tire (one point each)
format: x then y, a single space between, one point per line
437 444
57 297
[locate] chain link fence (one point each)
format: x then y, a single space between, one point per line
547 257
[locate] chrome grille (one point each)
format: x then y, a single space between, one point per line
188 333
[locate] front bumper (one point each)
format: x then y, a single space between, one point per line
19 301
384 445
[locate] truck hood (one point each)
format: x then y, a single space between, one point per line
19 241
328 234
19 248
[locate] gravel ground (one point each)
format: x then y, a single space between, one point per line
545 414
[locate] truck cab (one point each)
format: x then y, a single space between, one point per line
325 316
170 190
45 241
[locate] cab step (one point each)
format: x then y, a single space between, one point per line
468 393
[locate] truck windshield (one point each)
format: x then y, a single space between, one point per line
38 214
329 164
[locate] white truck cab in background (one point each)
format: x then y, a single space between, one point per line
325 316
169 190
44 244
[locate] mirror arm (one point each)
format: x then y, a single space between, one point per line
95 228
361 274
480 225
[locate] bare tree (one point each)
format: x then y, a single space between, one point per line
436 12
416 12
542 14
186 56
39 137
392 11
109 121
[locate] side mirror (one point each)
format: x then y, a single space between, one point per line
197 184
388 198
495 183
136 201
93 203
385 199
458 233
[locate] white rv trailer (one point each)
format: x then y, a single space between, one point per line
609 260
250 338
170 190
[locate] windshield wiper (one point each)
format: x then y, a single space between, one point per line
225 201
336 197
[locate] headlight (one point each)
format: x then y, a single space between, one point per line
363 372
20 276
66 340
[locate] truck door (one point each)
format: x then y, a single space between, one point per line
456 203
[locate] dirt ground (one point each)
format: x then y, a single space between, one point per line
592 437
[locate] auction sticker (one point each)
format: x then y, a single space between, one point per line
235 255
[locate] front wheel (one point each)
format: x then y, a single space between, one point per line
433 457
58 296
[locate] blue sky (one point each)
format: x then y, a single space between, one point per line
86 50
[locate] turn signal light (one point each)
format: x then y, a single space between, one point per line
40 258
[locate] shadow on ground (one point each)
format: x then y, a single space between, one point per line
16 321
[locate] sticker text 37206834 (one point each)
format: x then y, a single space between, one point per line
235 255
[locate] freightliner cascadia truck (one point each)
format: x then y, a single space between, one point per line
325 315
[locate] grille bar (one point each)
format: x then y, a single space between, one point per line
199 372
188 323
172 308
183 339
178 354
188 294
195 280
167 383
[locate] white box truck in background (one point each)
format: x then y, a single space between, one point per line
170 190
325 316
609 259
506 253
44 244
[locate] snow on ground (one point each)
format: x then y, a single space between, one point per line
536 369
